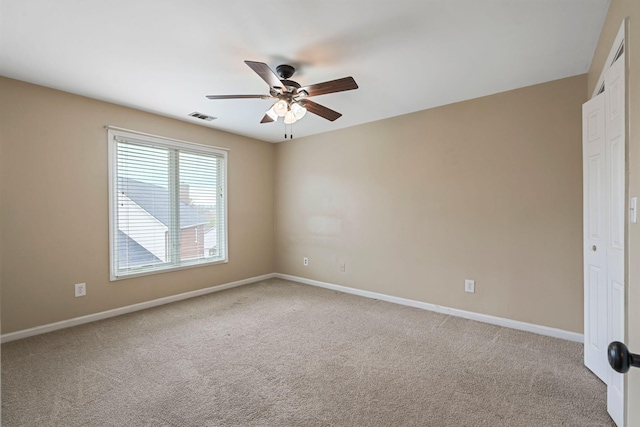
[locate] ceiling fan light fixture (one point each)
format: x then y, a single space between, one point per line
290 118
280 108
298 110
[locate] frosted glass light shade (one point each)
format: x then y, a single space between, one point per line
298 110
281 108
290 118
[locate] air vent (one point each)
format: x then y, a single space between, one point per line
202 116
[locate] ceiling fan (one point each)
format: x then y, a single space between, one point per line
293 102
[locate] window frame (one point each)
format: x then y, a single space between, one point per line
114 134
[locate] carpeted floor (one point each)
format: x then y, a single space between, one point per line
277 353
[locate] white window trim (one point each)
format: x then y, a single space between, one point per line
113 133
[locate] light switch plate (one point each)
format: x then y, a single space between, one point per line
633 210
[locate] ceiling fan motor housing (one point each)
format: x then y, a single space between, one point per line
290 83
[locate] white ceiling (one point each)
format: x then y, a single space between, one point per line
164 56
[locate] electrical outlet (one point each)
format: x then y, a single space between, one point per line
305 261
81 289
343 267
470 286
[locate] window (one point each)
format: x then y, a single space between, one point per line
167 204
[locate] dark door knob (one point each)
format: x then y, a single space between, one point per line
620 359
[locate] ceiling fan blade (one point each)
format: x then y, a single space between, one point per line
320 110
265 73
270 116
238 96
266 119
339 85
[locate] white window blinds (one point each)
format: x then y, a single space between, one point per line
168 204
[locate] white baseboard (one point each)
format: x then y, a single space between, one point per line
500 321
127 309
485 318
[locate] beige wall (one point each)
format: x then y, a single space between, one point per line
54 193
618 10
488 189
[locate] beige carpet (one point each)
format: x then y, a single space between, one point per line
277 353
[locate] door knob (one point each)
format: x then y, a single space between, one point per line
620 359
594 248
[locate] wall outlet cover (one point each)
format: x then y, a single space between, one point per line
470 286
80 289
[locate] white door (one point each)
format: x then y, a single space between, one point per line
616 170
604 174
595 178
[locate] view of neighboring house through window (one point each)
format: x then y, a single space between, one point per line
167 204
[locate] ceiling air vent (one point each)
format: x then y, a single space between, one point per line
202 116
